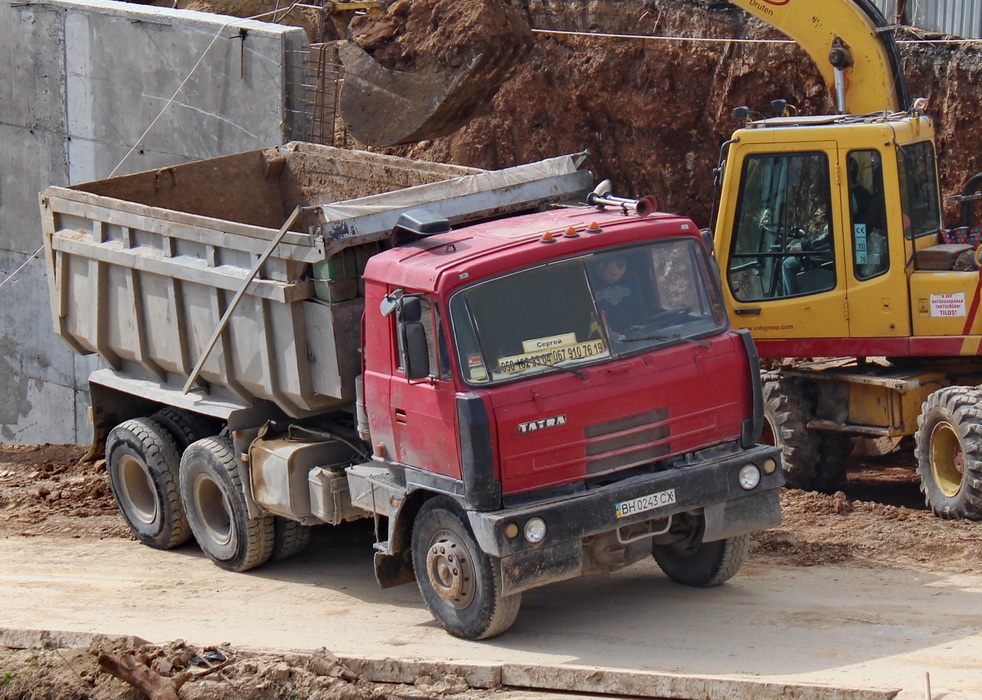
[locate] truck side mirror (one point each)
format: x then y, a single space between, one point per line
412 339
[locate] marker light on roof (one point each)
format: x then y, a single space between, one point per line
571 233
594 227
548 237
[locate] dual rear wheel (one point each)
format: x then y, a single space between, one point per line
172 478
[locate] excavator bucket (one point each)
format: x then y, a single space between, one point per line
383 107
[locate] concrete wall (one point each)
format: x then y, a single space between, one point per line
80 84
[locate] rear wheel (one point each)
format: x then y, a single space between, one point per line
142 459
949 452
692 562
289 538
786 415
186 427
461 586
833 461
213 497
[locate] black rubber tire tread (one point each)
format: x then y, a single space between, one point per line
710 564
787 411
833 461
289 538
186 427
490 613
149 442
961 407
251 539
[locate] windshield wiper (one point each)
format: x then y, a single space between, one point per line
542 363
673 336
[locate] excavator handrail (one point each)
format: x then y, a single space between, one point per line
851 43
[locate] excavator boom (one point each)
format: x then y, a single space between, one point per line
850 42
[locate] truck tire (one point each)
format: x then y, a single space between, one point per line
143 464
786 415
289 538
949 452
186 427
212 493
704 564
461 586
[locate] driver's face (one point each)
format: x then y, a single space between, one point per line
611 271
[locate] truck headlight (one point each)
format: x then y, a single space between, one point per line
749 477
535 530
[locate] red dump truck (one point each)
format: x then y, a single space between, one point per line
519 391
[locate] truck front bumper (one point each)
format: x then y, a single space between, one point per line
711 488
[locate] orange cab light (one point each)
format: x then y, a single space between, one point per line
548 237
571 233
594 227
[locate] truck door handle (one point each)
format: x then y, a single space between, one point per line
400 416
747 312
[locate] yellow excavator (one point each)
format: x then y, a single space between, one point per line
830 239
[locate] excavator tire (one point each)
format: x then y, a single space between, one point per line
786 414
949 452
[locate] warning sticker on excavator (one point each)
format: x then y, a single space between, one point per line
948 305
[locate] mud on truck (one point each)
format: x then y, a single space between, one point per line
518 391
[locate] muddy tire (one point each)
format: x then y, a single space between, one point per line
949 452
693 562
211 491
461 586
143 464
289 538
186 427
786 415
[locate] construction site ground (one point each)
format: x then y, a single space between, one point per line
862 589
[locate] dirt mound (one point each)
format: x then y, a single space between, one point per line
214 673
449 32
45 490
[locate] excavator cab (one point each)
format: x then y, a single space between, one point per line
819 218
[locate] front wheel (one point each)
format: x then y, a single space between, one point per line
211 490
949 452
461 586
692 562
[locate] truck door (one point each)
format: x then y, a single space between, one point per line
784 263
423 408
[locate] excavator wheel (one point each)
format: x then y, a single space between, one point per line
833 460
786 414
949 452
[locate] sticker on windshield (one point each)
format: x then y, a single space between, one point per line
552 356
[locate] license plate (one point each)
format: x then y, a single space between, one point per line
652 501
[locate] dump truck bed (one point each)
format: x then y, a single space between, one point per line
142 268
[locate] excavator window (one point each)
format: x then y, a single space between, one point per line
919 190
783 245
867 214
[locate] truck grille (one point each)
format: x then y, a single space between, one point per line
627 442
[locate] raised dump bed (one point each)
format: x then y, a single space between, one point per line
143 268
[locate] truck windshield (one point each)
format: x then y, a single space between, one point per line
582 310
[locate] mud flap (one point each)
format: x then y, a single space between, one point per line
742 515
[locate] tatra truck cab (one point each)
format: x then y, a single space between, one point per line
517 401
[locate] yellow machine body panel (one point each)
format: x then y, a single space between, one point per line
869 83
